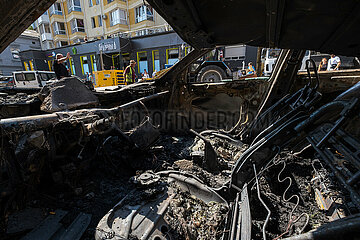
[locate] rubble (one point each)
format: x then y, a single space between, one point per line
18 105
144 135
192 218
66 94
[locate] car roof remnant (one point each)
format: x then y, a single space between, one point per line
325 26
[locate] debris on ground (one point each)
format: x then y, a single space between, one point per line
191 218
65 94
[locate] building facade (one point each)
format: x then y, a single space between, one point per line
68 22
10 60
151 52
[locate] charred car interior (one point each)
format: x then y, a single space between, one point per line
171 159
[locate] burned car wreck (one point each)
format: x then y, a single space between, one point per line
246 159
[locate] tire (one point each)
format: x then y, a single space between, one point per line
211 73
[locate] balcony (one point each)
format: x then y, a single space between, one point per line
77 29
56 12
46 37
43 19
143 18
60 32
145 31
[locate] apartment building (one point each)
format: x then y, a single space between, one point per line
67 22
10 60
42 26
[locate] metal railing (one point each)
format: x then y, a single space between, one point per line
144 31
60 32
57 12
77 29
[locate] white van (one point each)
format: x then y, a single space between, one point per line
32 79
270 56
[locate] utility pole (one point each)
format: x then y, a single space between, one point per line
258 62
101 61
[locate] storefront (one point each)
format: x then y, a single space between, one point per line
151 53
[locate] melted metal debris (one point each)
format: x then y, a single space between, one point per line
19 98
191 218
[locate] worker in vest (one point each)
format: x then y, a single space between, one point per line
129 73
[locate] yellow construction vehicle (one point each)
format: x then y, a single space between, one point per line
108 78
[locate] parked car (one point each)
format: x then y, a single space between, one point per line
32 79
6 82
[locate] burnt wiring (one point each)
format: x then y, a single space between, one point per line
269 165
326 184
292 219
319 176
262 202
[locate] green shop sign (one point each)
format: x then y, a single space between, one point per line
74 50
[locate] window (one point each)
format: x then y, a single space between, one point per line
97 2
84 65
143 32
142 61
55 9
47 28
118 17
172 55
126 60
15 53
25 76
72 66
93 23
46 76
143 13
109 1
59 28
156 60
90 3
187 50
74 5
20 76
44 28
26 65
50 63
31 64
93 63
61 44
34 25
77 25
100 20
77 40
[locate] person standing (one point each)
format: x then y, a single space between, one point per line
333 63
59 66
251 69
145 74
129 73
323 65
154 73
